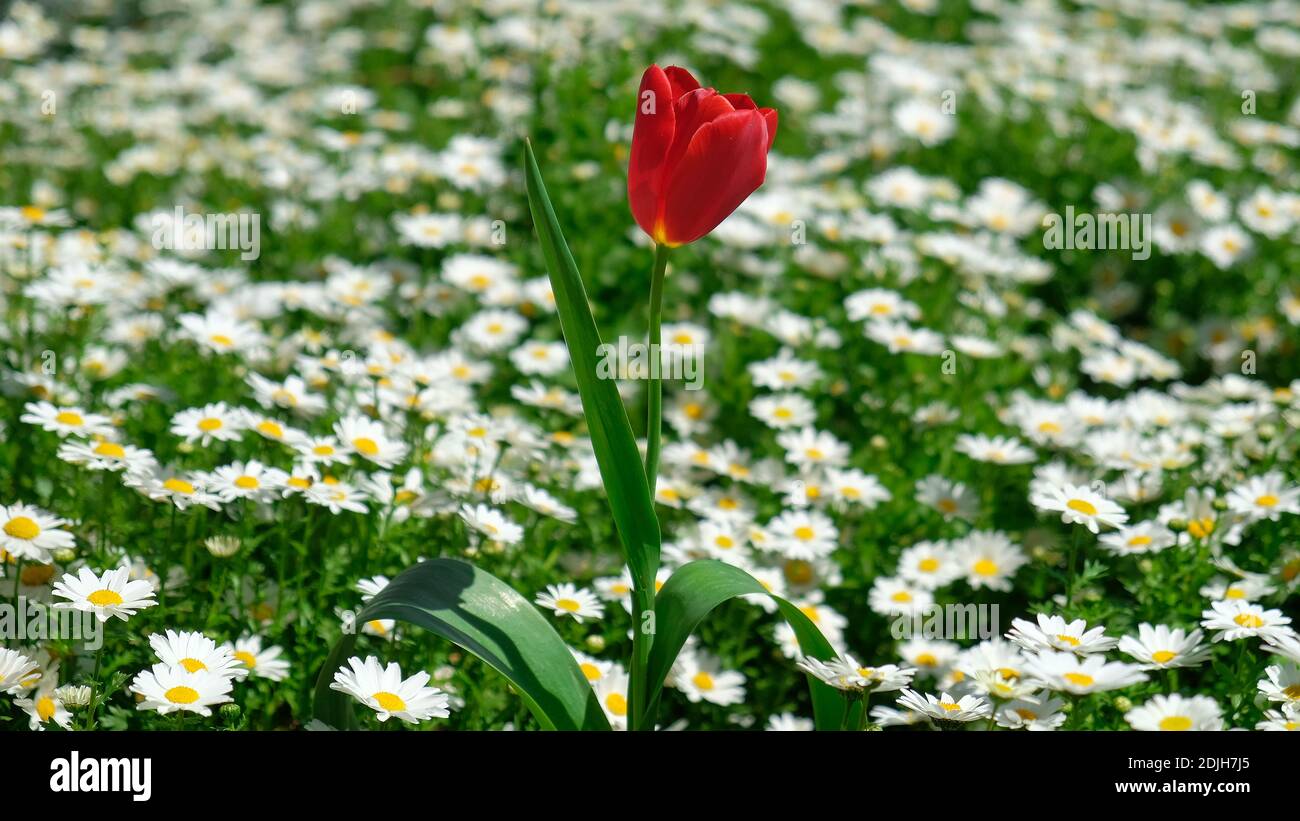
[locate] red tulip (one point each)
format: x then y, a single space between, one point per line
696 155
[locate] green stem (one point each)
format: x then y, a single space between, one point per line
96 694
654 392
638 719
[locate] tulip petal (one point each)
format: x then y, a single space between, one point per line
770 115
682 80
725 162
693 110
652 136
740 101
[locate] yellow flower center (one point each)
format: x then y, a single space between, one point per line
1139 541
986 567
32 213
193 665
1079 679
69 418
110 449
1249 620
21 527
901 596
703 681
928 565
926 660
950 706
389 701
568 605
1267 500
1292 692
271 429
616 704
45 708
1163 656
803 533
209 424
249 660
246 483
1081 506
104 598
182 695
366 447
179 486
1070 640
591 671
222 340
1175 723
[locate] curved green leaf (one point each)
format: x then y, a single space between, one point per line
692 592
611 433
484 615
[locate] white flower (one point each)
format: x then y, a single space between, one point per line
1239 619
1175 712
168 688
946 708
1054 633
112 594
383 690
570 600
28 532
1078 504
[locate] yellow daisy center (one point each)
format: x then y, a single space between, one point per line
104 598
1249 620
193 665
986 567
568 605
69 418
1079 679
249 660
703 681
616 704
389 701
182 695
1175 723
366 447
1267 500
110 449
179 486
1081 506
1163 656
21 527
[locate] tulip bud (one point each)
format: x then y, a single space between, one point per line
696 155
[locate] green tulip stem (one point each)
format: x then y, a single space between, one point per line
654 396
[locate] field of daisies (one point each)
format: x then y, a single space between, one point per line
283 349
